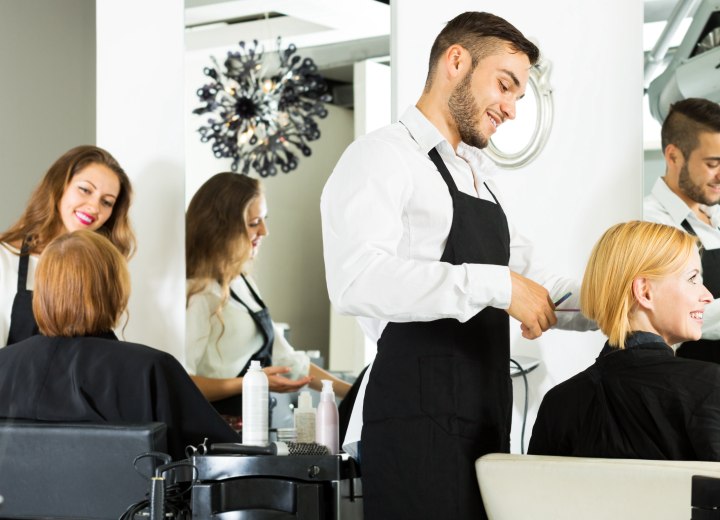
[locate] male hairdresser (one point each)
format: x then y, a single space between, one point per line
687 197
417 245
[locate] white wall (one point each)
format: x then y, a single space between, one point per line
140 120
47 106
589 176
289 270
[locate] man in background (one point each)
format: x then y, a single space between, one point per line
687 197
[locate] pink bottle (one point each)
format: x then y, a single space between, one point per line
326 419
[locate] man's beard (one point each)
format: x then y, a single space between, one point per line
465 113
692 190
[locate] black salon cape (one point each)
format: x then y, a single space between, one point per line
97 380
641 403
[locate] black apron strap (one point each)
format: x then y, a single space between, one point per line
440 165
687 227
491 193
22 320
259 300
233 405
23 266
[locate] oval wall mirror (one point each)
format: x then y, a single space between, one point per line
521 140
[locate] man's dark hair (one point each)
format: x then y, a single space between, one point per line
685 122
482 34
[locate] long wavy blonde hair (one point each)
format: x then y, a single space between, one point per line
217 245
627 251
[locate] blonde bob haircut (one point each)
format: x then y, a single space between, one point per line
627 251
82 285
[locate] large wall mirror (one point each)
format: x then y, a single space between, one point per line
41 123
289 268
682 50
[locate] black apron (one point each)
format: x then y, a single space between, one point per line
704 349
233 405
22 319
439 394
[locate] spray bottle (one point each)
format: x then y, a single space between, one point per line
326 419
255 406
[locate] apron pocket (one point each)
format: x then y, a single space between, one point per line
437 390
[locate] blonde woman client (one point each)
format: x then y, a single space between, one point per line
644 288
84 189
76 371
227 322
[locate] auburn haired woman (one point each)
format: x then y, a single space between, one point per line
75 369
84 189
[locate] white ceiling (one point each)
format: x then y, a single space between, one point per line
333 33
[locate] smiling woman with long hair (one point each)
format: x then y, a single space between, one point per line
85 188
227 323
643 286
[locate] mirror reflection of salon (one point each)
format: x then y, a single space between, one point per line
290 268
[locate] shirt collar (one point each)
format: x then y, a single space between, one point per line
427 136
676 207
641 337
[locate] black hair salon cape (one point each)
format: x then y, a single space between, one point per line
640 402
98 380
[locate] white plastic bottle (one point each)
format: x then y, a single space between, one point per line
255 406
305 418
326 419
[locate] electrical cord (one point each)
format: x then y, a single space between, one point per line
525 408
162 500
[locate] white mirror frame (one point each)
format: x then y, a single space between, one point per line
539 82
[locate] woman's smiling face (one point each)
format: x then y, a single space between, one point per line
682 298
89 197
255 222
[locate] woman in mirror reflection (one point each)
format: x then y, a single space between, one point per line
227 323
643 286
84 189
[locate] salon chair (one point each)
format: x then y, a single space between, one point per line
535 487
74 470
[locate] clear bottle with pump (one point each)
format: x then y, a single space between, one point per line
326 419
305 418
255 406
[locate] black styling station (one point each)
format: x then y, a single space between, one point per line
233 482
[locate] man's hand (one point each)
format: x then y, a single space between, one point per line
531 305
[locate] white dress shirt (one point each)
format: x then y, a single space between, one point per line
212 352
386 214
9 259
664 207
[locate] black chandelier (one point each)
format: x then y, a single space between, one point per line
259 121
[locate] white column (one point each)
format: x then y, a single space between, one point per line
140 119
